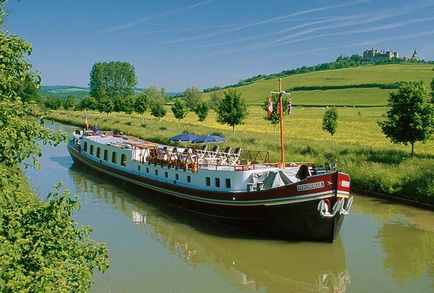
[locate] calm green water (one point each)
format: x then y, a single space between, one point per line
383 246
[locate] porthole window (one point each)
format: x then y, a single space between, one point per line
123 159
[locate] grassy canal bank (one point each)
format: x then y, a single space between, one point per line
359 147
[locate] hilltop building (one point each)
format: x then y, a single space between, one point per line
414 57
377 55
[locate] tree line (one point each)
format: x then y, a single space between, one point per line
112 90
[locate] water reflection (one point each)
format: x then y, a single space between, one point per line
406 235
408 251
250 264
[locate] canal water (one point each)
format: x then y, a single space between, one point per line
382 247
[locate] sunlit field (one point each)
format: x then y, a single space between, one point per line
356 126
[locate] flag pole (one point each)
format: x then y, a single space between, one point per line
282 146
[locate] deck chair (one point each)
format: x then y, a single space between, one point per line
233 159
224 156
202 151
174 155
211 156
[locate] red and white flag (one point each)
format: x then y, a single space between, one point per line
270 106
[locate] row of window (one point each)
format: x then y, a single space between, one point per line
114 157
217 182
207 179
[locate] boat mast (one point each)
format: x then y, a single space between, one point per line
281 93
282 143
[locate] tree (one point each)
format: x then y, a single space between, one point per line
105 105
53 103
432 88
112 79
330 121
142 103
411 115
214 98
42 248
158 110
201 111
154 94
179 109
231 110
192 97
125 104
88 103
70 103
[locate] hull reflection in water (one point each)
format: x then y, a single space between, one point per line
249 263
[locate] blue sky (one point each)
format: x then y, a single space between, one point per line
203 43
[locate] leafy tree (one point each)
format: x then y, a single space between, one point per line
179 109
70 103
214 98
142 103
106 105
53 103
201 111
330 121
41 248
231 110
154 94
432 88
112 79
88 103
158 110
411 115
125 104
192 97
28 91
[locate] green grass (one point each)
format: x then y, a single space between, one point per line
359 147
378 74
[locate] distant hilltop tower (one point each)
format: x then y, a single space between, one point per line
415 57
377 55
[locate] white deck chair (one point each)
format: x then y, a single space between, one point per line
224 156
233 159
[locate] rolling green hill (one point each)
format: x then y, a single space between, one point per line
351 78
63 91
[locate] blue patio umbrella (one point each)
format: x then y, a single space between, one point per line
184 137
209 138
